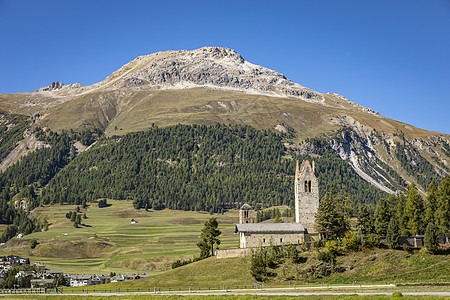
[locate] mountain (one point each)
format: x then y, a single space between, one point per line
216 85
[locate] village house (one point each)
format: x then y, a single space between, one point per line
17 260
80 280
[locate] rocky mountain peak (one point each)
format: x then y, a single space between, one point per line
210 67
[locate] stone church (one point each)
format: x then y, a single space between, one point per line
306 185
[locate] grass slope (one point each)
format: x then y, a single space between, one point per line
109 242
371 266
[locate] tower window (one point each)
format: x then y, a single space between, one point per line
281 240
309 186
306 186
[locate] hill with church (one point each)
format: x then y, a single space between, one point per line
201 131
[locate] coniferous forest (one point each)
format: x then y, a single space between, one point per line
187 167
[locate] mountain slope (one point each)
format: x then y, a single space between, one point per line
216 85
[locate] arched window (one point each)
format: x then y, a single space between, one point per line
306 186
309 186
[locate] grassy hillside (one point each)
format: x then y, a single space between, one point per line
370 266
109 242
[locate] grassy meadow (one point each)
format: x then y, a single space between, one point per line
108 242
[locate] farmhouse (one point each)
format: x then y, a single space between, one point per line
253 234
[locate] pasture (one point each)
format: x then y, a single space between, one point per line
108 242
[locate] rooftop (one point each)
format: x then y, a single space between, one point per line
270 227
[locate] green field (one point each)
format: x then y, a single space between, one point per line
109 242
231 297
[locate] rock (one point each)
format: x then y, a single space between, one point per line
55 85
212 67
58 85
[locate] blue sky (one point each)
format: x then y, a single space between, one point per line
391 56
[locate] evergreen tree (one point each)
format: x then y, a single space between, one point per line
400 214
430 203
430 240
393 233
78 219
414 210
208 236
383 215
330 220
365 221
278 219
258 266
442 215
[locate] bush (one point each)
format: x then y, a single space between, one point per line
333 248
33 243
326 256
258 266
102 203
179 263
349 241
372 241
318 244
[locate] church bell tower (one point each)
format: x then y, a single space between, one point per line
306 195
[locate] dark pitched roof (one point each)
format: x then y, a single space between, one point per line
246 207
271 227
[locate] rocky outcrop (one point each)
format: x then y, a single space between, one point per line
58 85
54 86
211 67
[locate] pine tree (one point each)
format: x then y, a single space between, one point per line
329 219
208 236
400 214
414 210
78 219
442 215
278 219
393 233
383 215
365 221
430 240
258 266
430 203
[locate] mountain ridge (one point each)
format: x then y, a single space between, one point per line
217 85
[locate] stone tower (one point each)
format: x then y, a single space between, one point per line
246 214
306 195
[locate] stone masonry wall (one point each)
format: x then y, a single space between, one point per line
265 239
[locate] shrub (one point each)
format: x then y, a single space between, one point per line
33 243
372 240
333 248
349 241
318 244
179 263
326 256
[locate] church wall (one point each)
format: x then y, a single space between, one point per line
250 240
227 253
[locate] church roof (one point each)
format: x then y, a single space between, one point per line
270 227
246 207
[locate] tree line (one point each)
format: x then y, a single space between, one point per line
403 214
